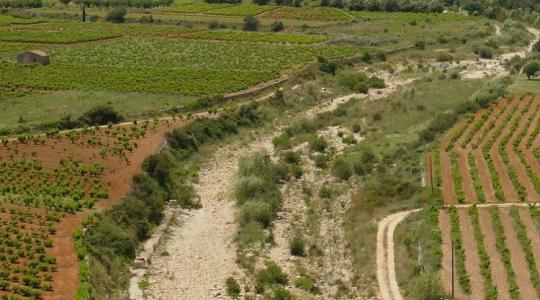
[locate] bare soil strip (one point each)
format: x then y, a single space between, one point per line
517 256
498 272
472 260
448 188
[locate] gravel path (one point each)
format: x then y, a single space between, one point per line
202 254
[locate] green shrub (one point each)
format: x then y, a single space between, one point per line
292 157
325 191
297 245
233 288
282 142
272 274
318 144
305 283
444 56
321 161
251 23
342 169
281 294
425 286
256 211
250 188
116 15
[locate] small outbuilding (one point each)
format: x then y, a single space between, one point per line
33 57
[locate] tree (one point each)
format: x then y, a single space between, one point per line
261 2
531 68
117 15
277 26
65 2
251 23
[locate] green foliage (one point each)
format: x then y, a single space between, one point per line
531 68
525 241
233 288
271 275
251 23
485 266
116 15
281 293
101 115
463 277
277 26
297 245
504 252
318 144
306 283
342 169
425 286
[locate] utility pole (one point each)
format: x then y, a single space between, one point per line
84 13
431 173
452 268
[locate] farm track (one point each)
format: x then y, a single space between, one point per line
385 256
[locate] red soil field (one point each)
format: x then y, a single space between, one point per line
472 261
501 110
116 178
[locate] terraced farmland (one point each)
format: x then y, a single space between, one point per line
493 156
47 183
496 251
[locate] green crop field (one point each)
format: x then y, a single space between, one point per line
241 10
323 14
256 37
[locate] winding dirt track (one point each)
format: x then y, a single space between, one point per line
386 274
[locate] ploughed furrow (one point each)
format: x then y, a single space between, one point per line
525 170
500 279
507 258
495 165
513 169
472 259
477 146
517 256
448 191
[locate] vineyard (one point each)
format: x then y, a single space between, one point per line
324 14
159 65
47 180
496 251
492 156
